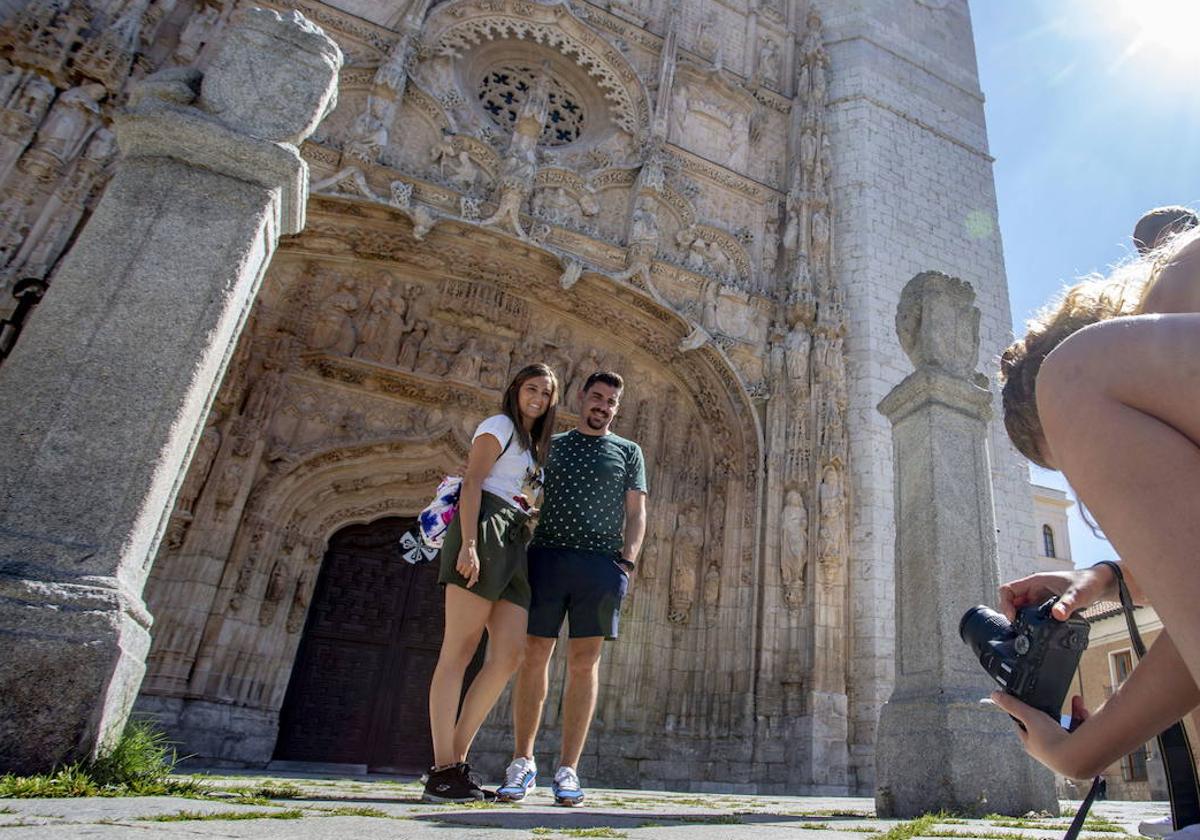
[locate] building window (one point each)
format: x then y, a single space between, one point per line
1133 766
505 88
1048 541
1122 665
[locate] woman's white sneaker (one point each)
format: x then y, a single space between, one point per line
566 787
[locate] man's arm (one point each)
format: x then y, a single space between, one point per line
635 525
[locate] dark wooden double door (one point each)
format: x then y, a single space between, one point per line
359 692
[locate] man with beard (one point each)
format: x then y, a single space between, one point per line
585 549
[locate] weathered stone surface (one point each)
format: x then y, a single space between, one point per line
937 747
97 421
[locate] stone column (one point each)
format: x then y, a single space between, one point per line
102 401
937 746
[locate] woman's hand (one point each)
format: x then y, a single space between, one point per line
1042 737
1078 590
468 564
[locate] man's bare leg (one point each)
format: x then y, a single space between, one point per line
529 694
579 704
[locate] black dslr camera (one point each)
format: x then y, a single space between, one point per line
1032 659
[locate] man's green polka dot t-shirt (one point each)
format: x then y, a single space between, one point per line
583 506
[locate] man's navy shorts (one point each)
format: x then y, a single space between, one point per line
586 585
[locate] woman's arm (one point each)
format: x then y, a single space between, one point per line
1159 692
1078 589
485 451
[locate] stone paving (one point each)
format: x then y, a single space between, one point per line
327 808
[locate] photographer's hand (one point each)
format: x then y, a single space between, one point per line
1078 589
1158 692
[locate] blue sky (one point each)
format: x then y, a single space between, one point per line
1093 113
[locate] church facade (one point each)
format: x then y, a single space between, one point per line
719 200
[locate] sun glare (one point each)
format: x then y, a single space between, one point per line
1157 33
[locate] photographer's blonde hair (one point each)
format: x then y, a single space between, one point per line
1095 298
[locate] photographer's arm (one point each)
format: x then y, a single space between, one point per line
1159 692
1078 590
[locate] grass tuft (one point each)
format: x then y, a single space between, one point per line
189 816
355 811
139 764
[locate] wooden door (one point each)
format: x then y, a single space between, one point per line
359 692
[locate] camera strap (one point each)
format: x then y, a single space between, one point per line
1182 786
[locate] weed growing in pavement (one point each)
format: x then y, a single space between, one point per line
189 816
139 764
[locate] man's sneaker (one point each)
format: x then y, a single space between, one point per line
1188 832
566 787
1160 827
451 784
519 779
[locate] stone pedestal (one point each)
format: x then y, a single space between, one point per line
938 747
103 399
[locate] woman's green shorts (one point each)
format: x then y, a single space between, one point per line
503 566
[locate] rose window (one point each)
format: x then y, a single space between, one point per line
505 89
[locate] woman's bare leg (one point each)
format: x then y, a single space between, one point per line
466 615
1120 405
506 649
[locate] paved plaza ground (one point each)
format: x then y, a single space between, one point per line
367 807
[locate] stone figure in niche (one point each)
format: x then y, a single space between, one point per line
369 132
768 61
62 212
711 299
832 545
797 347
643 228
586 367
679 113
467 363
712 585
794 208
821 233
520 165
69 122
373 328
709 37
647 568
398 323
493 372
202 461
245 575
276 586
195 35
456 167
808 152
686 553
264 392
410 349
555 354
20 119
435 357
770 246
697 255
334 328
228 485
299 608
793 550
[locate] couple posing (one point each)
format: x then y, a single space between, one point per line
584 549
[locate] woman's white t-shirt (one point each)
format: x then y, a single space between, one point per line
513 467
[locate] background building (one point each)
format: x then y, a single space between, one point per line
720 200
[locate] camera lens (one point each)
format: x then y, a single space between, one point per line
981 625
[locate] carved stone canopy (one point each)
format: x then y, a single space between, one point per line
938 323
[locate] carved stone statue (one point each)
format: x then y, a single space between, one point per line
686 554
369 132
276 586
202 461
465 367
373 329
709 38
410 349
768 61
69 122
300 598
334 328
793 549
831 549
712 585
